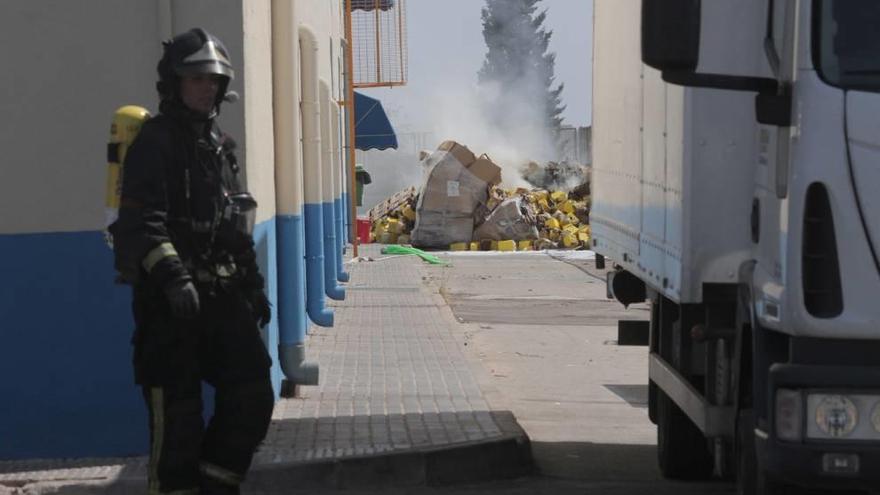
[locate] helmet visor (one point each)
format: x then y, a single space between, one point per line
209 59
207 68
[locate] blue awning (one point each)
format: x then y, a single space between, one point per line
372 129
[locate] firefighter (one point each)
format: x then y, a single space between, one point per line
184 241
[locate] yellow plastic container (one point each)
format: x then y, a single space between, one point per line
553 224
458 246
525 245
584 237
493 246
569 240
567 207
394 226
475 246
507 245
558 196
409 213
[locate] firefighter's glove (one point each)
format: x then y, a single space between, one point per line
184 299
261 307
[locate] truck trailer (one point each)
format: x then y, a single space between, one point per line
736 147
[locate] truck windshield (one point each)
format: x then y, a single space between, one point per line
846 47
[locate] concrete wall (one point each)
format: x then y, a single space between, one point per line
255 85
64 340
64 76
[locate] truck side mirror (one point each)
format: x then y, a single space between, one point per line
674 43
671 34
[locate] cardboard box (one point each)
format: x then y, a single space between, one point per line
459 151
484 168
449 187
439 230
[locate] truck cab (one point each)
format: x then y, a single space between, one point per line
736 159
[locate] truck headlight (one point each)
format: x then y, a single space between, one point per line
789 414
836 415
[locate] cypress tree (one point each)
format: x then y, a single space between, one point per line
517 61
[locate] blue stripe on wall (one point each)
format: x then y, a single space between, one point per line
339 220
265 235
65 354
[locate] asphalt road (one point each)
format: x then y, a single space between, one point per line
544 334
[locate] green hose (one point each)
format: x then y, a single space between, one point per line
398 249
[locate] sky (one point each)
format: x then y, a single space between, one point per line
446 50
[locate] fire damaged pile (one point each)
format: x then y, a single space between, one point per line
561 176
393 219
535 219
461 206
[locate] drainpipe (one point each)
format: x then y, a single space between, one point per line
314 221
331 288
292 323
341 149
347 191
338 173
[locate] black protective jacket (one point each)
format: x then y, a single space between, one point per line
176 178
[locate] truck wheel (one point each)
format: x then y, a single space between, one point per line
750 480
682 450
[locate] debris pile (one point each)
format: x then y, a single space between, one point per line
551 219
393 219
461 206
553 176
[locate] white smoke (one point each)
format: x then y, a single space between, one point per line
507 120
458 112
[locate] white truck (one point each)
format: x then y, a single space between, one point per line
735 187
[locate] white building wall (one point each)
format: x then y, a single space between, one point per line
256 86
69 65
325 19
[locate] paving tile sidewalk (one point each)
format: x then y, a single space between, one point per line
398 403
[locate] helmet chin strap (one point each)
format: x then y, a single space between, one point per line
175 108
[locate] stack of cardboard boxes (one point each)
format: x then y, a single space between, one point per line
456 183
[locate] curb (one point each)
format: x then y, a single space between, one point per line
504 458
